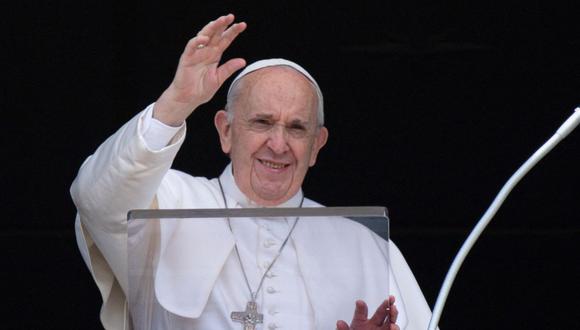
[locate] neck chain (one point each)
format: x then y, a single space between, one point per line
251 317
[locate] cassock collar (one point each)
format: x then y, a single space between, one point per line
231 190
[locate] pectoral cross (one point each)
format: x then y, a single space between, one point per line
250 317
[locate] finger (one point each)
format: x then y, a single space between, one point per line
215 29
381 313
341 325
194 44
230 34
225 70
394 313
221 22
361 312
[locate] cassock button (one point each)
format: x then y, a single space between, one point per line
270 274
271 290
272 311
266 264
272 326
269 243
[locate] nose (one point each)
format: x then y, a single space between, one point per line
278 139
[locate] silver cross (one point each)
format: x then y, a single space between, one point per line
250 317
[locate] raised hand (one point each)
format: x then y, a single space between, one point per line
385 317
199 75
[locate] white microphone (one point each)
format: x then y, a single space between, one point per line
566 128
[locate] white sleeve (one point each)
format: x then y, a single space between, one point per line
156 134
123 174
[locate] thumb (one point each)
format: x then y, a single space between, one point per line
228 68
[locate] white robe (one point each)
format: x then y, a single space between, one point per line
338 261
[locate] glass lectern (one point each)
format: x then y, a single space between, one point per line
228 264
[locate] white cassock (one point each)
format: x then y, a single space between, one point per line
184 274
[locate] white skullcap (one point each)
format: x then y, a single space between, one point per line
282 62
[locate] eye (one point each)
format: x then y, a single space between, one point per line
297 130
260 124
297 127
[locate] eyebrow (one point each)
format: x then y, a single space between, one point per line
262 116
270 117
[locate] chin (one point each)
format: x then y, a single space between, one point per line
273 197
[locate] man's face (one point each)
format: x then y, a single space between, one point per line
274 136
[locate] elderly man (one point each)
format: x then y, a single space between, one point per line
272 130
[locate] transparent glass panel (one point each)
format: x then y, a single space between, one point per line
235 268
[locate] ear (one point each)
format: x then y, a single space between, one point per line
224 130
319 142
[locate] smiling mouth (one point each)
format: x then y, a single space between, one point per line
273 165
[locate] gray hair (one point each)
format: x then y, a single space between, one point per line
234 90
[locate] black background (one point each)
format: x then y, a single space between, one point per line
431 107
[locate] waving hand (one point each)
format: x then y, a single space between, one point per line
199 75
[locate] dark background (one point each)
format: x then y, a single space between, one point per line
431 107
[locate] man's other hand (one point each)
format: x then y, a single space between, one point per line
199 75
385 317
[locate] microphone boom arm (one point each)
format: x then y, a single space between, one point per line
567 127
